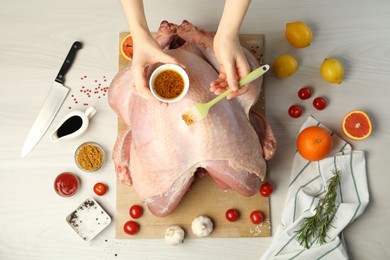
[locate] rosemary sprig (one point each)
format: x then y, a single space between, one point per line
317 226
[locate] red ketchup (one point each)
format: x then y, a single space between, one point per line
66 184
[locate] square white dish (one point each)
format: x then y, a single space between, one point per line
88 219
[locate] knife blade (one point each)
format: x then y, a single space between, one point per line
52 104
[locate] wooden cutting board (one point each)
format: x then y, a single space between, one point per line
204 197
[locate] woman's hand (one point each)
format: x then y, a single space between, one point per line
146 52
231 58
233 65
146 49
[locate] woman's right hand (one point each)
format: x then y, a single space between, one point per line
147 52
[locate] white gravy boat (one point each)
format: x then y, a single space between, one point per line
73 124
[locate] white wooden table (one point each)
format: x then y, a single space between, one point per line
35 37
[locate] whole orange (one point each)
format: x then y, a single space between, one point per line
314 143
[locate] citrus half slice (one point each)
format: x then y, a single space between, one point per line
357 125
127 47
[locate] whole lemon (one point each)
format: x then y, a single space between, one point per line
298 34
285 66
332 70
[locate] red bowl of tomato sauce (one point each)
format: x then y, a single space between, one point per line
66 184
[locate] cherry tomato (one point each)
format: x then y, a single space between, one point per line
232 215
100 188
256 217
319 103
304 93
295 111
266 189
136 211
131 227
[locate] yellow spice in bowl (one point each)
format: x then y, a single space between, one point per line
89 157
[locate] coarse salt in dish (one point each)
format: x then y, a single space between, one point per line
88 219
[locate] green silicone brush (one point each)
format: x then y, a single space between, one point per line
200 110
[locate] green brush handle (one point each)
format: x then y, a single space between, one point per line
244 81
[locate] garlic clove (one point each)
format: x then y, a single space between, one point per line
174 235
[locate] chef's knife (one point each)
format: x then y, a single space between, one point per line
53 102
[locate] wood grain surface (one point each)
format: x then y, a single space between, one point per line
204 197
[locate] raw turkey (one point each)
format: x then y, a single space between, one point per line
160 155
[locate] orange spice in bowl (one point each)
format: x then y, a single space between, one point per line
90 157
169 83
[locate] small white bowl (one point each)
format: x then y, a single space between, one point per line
175 68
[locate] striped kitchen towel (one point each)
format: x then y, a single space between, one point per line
307 186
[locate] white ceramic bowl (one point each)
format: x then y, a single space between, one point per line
175 68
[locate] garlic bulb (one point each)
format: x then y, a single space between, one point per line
174 235
202 226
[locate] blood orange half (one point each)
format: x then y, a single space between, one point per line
127 47
357 125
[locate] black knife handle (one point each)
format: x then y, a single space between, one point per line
68 62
